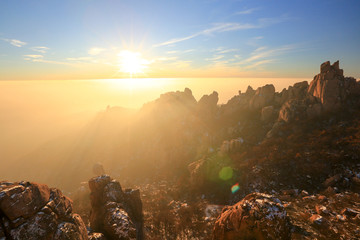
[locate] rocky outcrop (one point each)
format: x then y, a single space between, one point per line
173 99
207 104
238 103
262 97
209 101
35 211
297 91
257 216
292 110
115 213
331 88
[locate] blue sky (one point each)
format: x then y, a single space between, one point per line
200 38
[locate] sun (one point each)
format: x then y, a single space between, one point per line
132 63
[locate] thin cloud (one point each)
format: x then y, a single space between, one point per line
216 57
228 50
188 51
218 49
264 55
260 49
51 61
256 64
80 59
40 59
95 51
248 11
171 52
225 27
263 52
218 27
176 40
15 42
40 49
180 51
265 22
255 41
32 56
165 59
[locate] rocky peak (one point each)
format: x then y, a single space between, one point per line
208 103
326 67
330 86
262 97
210 99
250 91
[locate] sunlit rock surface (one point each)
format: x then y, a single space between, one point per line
257 216
114 212
35 211
263 97
331 87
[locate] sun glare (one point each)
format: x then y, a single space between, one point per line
132 63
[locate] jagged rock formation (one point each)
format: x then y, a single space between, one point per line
207 105
331 88
174 102
209 101
328 92
116 214
262 97
257 216
35 211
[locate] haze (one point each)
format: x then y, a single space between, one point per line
35 112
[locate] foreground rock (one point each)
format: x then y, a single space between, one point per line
115 213
35 211
257 216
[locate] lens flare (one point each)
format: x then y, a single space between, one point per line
226 173
235 188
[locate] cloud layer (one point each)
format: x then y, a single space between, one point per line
15 42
